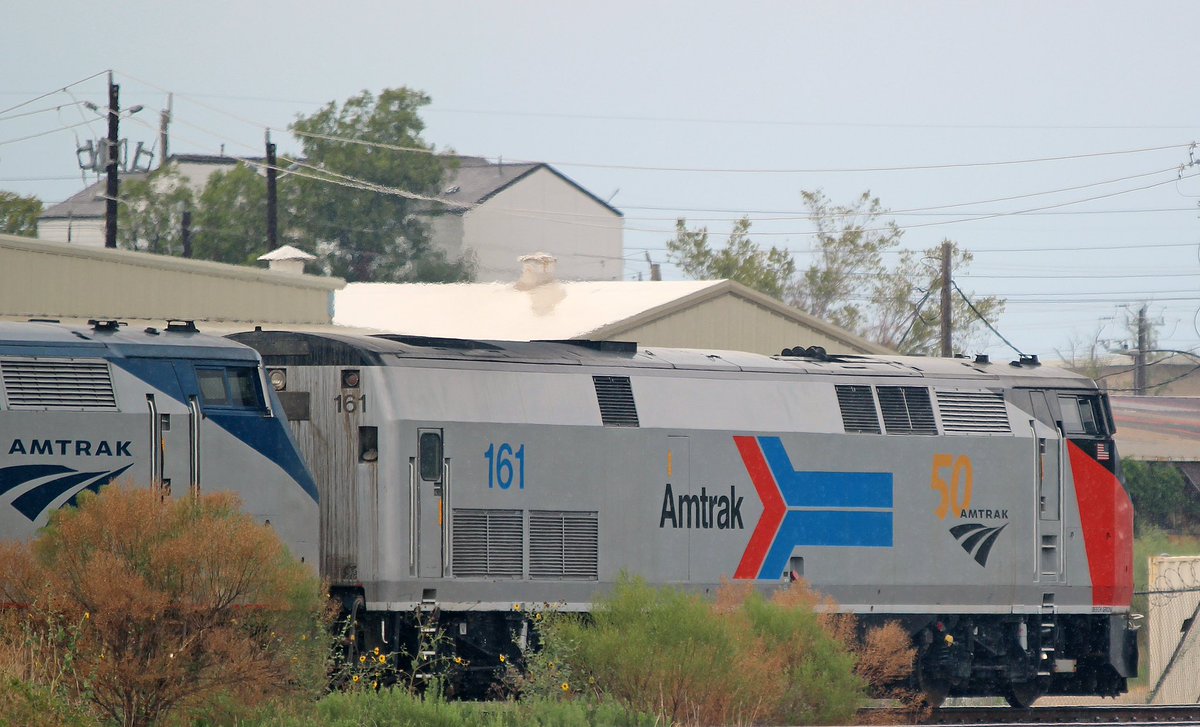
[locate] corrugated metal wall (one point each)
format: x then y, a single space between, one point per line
731 323
55 280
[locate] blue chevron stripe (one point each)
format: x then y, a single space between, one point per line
33 503
13 477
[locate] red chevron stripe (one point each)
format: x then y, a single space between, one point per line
773 508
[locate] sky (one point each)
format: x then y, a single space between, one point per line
1052 140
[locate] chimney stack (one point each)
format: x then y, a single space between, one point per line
536 269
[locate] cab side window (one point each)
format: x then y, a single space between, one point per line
229 387
212 387
1081 414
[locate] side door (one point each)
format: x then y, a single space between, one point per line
1048 472
428 485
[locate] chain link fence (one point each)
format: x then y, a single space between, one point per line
1172 651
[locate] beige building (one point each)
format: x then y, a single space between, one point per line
74 283
708 314
504 211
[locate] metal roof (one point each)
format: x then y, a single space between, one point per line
476 180
44 338
88 202
1157 427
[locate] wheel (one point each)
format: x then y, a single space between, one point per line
354 628
1022 695
935 689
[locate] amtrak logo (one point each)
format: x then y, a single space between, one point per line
827 509
977 539
49 483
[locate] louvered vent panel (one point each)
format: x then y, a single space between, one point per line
858 408
487 543
59 385
563 545
617 408
973 412
906 410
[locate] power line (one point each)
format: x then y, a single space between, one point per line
64 127
732 170
785 122
39 111
51 93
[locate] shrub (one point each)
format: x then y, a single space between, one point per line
742 659
163 605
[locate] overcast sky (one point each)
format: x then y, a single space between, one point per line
621 96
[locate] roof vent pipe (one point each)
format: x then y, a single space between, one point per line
287 259
536 269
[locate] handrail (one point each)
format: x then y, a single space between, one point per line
155 443
412 514
194 442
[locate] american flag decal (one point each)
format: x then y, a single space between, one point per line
1101 452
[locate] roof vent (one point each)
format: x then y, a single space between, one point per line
536 269
287 259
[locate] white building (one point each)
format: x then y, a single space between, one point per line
499 212
80 218
708 314
509 210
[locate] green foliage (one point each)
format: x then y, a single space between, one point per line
26 704
768 271
669 653
849 283
19 215
150 216
1161 495
152 606
230 223
399 708
364 235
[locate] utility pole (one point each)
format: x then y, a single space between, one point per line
112 186
1139 370
186 233
272 200
164 121
655 269
947 349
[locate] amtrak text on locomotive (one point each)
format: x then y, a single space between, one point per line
73 447
722 512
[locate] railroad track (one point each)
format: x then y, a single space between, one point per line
1123 714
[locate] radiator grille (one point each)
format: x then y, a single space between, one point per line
617 408
906 410
563 545
973 412
487 543
59 385
858 408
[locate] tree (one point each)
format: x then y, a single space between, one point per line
848 254
161 606
904 303
19 215
1160 494
848 283
231 216
150 215
741 259
366 234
